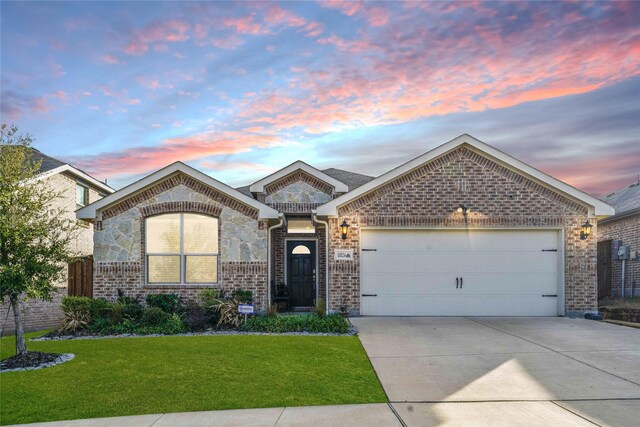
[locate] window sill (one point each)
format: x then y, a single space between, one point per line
179 286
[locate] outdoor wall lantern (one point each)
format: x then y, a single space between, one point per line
463 210
344 228
585 230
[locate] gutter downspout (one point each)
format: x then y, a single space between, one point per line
278 225
326 262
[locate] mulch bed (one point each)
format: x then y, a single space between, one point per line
32 359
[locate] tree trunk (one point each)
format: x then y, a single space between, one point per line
21 345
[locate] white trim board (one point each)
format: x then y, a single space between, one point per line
78 173
258 186
90 212
596 207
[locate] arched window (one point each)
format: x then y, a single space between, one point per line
181 248
301 250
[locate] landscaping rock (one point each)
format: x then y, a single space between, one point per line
33 360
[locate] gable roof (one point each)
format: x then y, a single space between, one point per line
50 166
625 200
596 206
91 211
352 179
258 186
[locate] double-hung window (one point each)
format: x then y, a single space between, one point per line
181 248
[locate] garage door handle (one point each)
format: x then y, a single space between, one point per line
369 295
457 282
461 283
551 296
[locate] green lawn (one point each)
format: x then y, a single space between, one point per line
128 376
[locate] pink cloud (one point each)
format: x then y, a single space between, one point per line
276 15
227 43
246 25
109 59
158 34
378 16
152 83
139 160
239 166
314 29
348 8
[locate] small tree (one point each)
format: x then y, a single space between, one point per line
34 234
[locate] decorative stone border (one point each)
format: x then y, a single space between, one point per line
352 331
59 360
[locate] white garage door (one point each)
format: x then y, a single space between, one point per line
460 273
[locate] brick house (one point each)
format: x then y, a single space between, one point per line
464 229
78 190
621 229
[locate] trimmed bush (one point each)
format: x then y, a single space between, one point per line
169 303
304 323
153 316
197 318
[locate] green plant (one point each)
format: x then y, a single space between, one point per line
320 307
127 300
197 318
169 303
272 310
99 308
242 296
116 312
153 316
303 323
77 313
132 311
173 325
209 298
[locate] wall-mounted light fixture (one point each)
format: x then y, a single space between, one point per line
463 209
585 230
344 229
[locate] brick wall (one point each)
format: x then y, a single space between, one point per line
38 314
628 230
428 197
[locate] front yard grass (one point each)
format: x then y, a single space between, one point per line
131 376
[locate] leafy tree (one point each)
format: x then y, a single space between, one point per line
35 235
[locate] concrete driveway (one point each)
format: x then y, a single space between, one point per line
506 371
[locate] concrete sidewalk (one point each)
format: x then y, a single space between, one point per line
507 414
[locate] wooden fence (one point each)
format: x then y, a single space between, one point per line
80 281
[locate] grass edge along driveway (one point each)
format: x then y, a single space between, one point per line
131 376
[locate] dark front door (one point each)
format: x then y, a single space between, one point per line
301 272
604 269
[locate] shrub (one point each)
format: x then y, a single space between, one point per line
116 312
197 318
209 298
127 326
77 313
272 310
169 303
242 296
99 309
304 323
101 325
153 316
173 325
127 300
320 308
132 311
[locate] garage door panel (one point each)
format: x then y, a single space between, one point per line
490 284
413 272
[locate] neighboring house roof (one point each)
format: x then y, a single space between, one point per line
338 186
625 200
91 211
51 166
596 206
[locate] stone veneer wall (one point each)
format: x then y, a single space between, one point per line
278 237
38 314
497 197
628 230
119 259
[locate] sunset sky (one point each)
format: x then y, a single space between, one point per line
240 89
